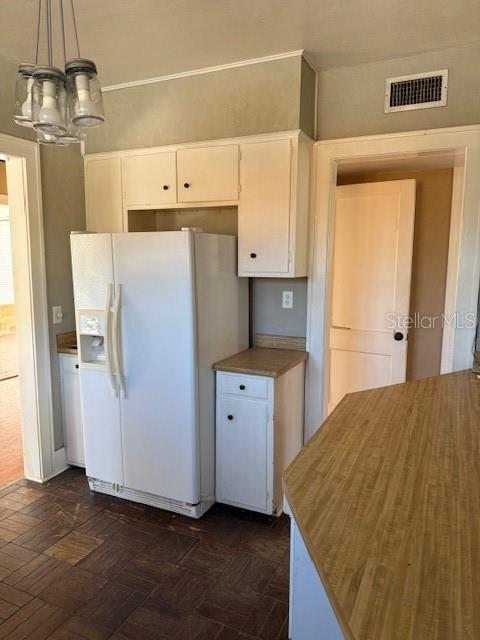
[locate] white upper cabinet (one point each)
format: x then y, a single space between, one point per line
208 174
103 194
273 208
267 176
150 179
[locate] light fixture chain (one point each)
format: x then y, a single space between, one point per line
62 28
75 28
37 44
49 32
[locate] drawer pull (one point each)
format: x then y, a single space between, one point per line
242 387
229 417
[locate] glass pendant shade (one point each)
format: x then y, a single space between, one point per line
73 134
23 95
49 101
46 138
84 93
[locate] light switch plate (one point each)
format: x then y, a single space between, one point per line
57 314
287 299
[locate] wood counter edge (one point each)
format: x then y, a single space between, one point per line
299 358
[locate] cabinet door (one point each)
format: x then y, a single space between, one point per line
103 195
208 174
72 419
242 448
150 179
264 208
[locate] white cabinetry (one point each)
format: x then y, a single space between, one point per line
103 194
150 179
71 413
273 208
267 177
259 431
208 174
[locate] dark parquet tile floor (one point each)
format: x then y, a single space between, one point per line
81 566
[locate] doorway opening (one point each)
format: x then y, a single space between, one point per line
389 271
26 425
11 446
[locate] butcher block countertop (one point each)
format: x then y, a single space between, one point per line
262 362
387 498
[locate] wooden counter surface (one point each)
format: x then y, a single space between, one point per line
387 498
262 362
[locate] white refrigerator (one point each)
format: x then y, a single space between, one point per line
154 311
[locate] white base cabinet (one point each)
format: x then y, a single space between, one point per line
71 412
311 615
259 431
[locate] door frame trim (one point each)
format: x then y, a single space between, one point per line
40 461
463 271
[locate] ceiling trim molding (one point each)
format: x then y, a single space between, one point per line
197 72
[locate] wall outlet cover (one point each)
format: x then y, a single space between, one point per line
287 299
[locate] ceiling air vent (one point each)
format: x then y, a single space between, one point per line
419 91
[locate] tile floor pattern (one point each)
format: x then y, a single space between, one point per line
81 566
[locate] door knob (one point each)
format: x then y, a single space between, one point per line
398 336
230 417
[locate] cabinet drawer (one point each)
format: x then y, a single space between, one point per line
243 385
69 363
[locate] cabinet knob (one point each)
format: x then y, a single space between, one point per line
76 366
166 187
230 417
186 185
253 255
398 336
242 387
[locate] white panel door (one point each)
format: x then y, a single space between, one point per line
150 179
264 208
372 261
103 195
208 174
155 273
242 452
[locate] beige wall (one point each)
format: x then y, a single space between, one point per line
3 178
257 98
8 74
63 211
351 99
429 264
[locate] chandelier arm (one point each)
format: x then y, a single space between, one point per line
62 28
37 43
75 28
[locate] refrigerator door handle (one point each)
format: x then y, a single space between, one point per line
108 339
117 356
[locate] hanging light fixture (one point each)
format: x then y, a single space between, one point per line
58 104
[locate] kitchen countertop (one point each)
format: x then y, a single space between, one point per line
259 361
67 343
387 498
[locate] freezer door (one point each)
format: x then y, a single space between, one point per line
157 337
101 427
92 266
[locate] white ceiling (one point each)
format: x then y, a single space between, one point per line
140 39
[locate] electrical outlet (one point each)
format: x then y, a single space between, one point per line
57 314
287 299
